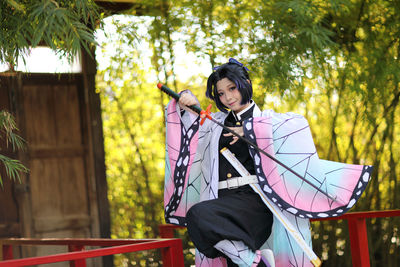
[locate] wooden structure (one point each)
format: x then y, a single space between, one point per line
65 192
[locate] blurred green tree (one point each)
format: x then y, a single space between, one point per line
335 62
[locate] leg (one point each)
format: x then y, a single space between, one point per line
238 214
238 253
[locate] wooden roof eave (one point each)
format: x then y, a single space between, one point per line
132 7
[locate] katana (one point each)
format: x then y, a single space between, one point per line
206 114
278 214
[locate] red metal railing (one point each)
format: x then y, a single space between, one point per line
171 250
357 232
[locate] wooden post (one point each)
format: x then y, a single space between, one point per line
95 144
358 242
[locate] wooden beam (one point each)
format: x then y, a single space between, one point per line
133 7
122 1
59 152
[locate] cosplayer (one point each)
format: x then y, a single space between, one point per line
228 211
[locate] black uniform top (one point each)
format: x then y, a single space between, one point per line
240 149
237 213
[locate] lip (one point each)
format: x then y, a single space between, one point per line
231 104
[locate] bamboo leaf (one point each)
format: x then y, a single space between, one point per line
13 168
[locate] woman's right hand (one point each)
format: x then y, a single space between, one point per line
186 99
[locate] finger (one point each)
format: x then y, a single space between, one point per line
234 140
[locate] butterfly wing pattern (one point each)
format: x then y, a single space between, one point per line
180 191
288 138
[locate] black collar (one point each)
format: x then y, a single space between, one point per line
244 114
233 118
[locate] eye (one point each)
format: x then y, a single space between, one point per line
232 88
220 94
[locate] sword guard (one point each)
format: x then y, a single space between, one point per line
205 114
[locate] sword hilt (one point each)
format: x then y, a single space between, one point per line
176 96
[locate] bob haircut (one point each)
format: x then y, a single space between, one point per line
235 73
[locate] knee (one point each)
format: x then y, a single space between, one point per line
195 215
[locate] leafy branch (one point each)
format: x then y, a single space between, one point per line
64 26
8 127
13 168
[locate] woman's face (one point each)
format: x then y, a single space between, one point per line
229 95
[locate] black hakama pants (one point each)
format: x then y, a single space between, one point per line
237 214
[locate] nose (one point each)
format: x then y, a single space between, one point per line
228 95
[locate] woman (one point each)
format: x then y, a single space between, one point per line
230 218
233 224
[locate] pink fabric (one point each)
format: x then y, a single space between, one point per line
294 147
173 141
286 137
174 145
257 259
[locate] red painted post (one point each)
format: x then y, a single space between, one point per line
166 254
166 230
7 252
358 242
177 252
80 262
173 256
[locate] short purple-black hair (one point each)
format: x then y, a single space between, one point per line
236 73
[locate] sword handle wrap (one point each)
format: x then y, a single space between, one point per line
176 96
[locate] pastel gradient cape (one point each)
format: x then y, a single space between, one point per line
191 173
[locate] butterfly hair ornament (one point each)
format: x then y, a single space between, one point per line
233 61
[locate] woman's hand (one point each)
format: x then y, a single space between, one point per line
186 99
238 130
